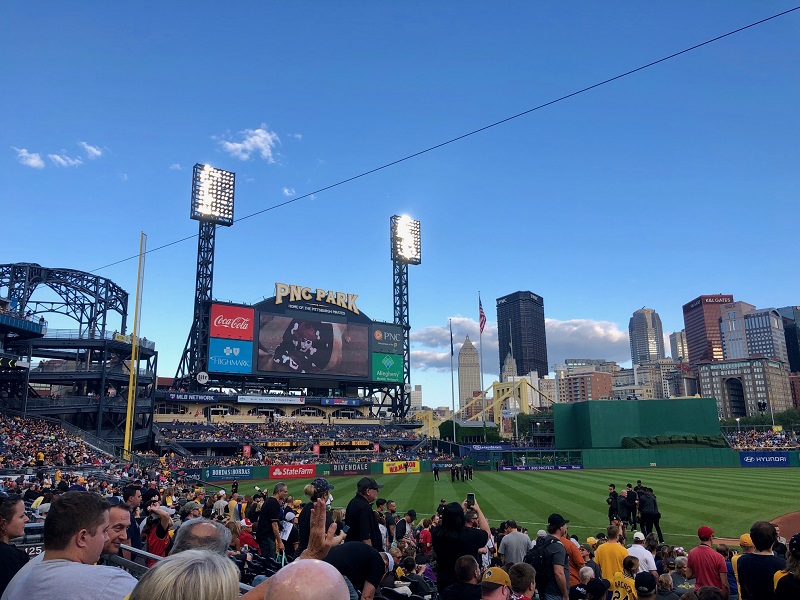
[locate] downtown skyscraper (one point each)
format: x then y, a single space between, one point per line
521 332
701 322
469 373
646 336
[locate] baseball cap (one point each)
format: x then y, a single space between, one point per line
190 506
591 540
221 493
289 517
44 508
556 520
615 518
321 484
541 533
638 536
745 541
794 545
368 483
705 532
671 562
495 577
412 513
645 583
246 523
597 587
297 503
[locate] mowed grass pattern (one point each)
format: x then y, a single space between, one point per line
727 499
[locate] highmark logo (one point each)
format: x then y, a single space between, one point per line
387 362
228 351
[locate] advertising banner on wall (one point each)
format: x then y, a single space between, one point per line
386 339
230 356
227 473
232 322
764 459
387 367
351 468
543 468
249 398
407 466
182 396
292 471
340 402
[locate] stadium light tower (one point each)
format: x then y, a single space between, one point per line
406 250
212 205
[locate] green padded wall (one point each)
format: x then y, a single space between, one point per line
603 423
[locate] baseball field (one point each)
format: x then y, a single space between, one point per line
728 500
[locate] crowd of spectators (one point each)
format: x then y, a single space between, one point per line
762 440
26 442
280 429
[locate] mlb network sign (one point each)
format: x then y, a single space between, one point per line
230 356
764 459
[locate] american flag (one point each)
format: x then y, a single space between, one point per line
482 315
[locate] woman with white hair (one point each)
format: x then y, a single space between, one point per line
189 575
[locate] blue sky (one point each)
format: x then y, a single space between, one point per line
674 182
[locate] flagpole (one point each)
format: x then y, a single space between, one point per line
452 384
480 345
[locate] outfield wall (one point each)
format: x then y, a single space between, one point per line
678 457
603 423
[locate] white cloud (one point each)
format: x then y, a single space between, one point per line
62 160
288 192
297 136
175 167
29 159
91 151
259 141
576 338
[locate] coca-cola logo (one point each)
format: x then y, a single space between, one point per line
232 322
242 323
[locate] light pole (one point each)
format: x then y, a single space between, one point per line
738 425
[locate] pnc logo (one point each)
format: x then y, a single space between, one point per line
378 335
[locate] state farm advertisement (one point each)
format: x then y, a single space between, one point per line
292 471
232 322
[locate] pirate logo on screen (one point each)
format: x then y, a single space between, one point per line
306 347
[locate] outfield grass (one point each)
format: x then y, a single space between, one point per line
727 499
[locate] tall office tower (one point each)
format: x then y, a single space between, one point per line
677 345
791 331
509 370
416 397
469 373
646 336
520 330
731 328
701 323
765 334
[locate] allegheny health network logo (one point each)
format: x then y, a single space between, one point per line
387 361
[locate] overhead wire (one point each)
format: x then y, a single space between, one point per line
471 133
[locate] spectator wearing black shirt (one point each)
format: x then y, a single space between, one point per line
453 539
317 489
362 564
12 525
268 530
360 518
132 496
468 576
757 569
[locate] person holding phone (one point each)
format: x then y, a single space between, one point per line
454 539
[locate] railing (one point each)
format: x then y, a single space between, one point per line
72 367
95 334
78 401
20 322
89 439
